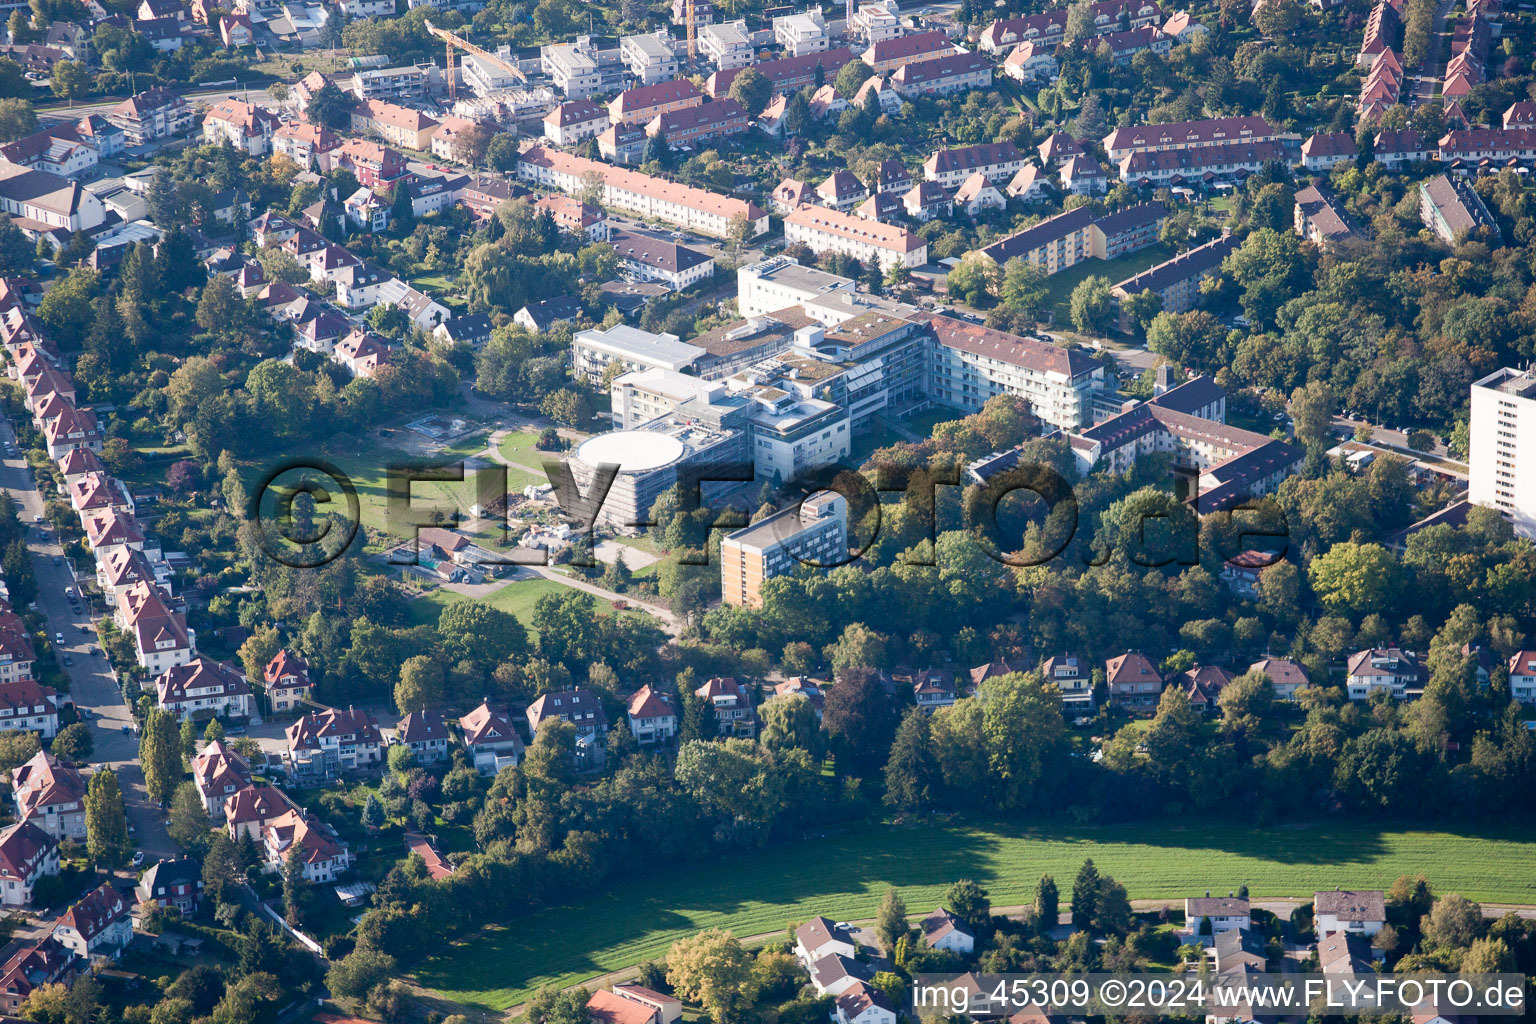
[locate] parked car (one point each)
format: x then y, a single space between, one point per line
138 858
58 638
68 660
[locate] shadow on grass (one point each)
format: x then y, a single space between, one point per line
844 877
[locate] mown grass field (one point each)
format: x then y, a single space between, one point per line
845 876
516 599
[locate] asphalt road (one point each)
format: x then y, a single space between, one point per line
91 683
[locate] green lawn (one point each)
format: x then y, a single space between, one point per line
515 598
1059 286
845 876
366 463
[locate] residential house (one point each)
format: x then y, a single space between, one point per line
791 194
362 352
976 195
471 329
1347 953
287 681
605 1007
51 796
943 75
246 811
1324 150
575 217
997 161
834 974
864 1004
575 121
1452 209
1134 681
218 773
1522 677
25 704
151 115
841 191
1387 670
732 704
245 126
161 638
1032 62
1072 677
1317 219
943 930
927 200
584 710
1210 915
1285 675
1355 912
425 734
644 103
405 127
321 744
30 964
323 857
1520 114
305 144
27 854
788 74
892 176
173 884
652 719
933 689
483 194
669 1009
540 317
98 926
693 126
645 257
1396 148
1239 948
821 937
202 688
376 167
890 54
800 34
830 231
491 739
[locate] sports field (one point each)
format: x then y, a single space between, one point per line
844 877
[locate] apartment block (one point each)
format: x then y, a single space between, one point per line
683 205
814 533
1502 457
1177 281
1452 209
971 363
649 57
727 45
800 34
826 230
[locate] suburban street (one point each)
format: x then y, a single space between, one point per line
92 685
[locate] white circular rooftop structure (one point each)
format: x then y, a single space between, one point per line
633 451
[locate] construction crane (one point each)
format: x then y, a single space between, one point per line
451 40
693 38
